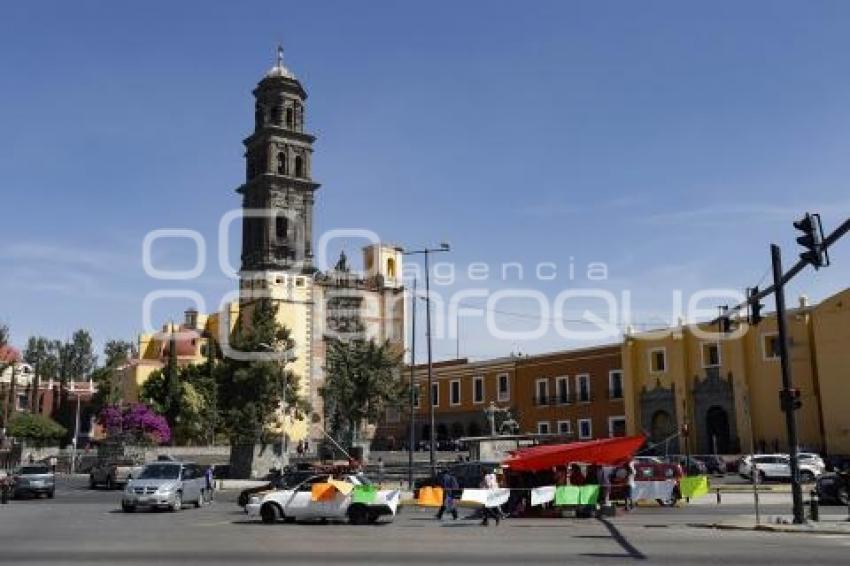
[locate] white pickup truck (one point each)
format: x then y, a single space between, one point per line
113 473
298 503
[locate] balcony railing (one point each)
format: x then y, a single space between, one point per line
562 399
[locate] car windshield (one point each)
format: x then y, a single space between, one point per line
30 470
160 472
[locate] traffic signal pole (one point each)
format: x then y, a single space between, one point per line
787 403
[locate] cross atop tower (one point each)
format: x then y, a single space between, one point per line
279 55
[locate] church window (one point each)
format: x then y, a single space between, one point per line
391 268
281 227
289 117
282 164
276 113
258 117
299 166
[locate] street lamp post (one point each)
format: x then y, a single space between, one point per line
76 439
412 419
444 247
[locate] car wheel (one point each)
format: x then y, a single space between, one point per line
127 508
50 494
762 477
358 515
268 513
109 483
177 505
843 496
92 483
806 476
373 517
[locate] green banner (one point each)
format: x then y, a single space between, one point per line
693 486
589 495
567 495
364 494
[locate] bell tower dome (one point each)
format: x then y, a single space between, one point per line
277 196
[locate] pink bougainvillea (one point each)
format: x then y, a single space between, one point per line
135 423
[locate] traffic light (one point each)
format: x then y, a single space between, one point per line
790 399
812 240
755 306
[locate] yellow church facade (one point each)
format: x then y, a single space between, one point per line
724 390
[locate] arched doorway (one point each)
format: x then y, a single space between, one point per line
717 429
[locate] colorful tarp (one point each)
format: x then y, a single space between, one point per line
541 495
567 495
322 492
364 494
576 495
651 490
430 496
486 497
694 486
606 452
341 486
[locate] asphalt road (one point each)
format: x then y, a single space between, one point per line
86 527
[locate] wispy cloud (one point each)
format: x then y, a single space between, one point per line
734 212
554 209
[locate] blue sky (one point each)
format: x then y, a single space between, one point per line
671 141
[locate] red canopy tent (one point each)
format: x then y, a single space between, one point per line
606 452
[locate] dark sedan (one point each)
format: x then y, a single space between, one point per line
834 488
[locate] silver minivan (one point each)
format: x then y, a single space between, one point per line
165 484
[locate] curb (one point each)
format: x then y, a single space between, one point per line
770 529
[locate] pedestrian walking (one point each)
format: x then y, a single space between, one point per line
490 482
210 484
380 470
631 480
450 487
300 448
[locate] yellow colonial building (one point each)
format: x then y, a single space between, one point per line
726 388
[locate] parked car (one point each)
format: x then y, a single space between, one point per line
297 503
714 464
812 459
165 484
691 465
776 467
647 460
114 473
34 480
468 475
834 488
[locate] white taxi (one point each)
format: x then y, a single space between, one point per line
353 497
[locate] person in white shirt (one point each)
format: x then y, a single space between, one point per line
490 482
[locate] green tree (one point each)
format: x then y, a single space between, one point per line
37 429
116 354
249 391
40 353
361 381
194 421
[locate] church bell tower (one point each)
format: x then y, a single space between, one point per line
277 196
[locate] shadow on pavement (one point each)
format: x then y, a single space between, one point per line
630 550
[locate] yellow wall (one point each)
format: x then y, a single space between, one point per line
831 331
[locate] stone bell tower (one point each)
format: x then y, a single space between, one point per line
277 197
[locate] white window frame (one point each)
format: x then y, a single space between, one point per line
767 356
452 403
507 393
705 363
545 382
579 377
565 379
544 423
611 421
589 426
569 430
611 374
479 379
652 369
436 385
